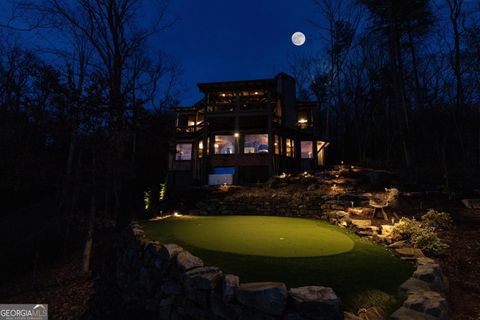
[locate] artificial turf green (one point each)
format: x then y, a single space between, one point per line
311 252
256 235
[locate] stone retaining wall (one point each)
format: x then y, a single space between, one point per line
296 204
171 283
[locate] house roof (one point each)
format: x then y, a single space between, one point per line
242 84
196 106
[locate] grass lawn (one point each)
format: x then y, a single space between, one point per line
296 251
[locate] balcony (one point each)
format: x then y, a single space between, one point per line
190 128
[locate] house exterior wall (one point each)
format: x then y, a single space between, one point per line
237 109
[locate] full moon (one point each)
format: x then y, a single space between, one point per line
298 38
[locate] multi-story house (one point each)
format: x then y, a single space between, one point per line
245 131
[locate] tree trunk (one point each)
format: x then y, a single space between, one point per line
87 252
418 91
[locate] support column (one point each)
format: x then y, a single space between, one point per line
206 147
271 146
237 140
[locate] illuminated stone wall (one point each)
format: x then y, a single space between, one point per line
171 283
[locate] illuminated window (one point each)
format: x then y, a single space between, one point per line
256 143
306 149
290 147
200 148
224 144
277 145
183 151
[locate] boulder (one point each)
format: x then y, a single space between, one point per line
151 251
170 287
138 232
203 278
398 244
190 310
408 314
387 229
187 261
360 211
315 302
231 283
350 316
425 260
145 280
266 297
361 222
372 313
222 309
414 285
432 274
170 251
410 252
471 203
429 302
340 214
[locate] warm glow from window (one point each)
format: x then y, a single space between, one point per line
224 144
200 149
183 151
256 143
306 149
290 147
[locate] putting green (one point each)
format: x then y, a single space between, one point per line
312 252
254 235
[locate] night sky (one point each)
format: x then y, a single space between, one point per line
218 40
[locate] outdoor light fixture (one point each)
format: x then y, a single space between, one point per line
223 94
256 92
236 134
302 121
176 214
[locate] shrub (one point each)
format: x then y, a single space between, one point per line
423 235
436 220
429 242
406 228
272 183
